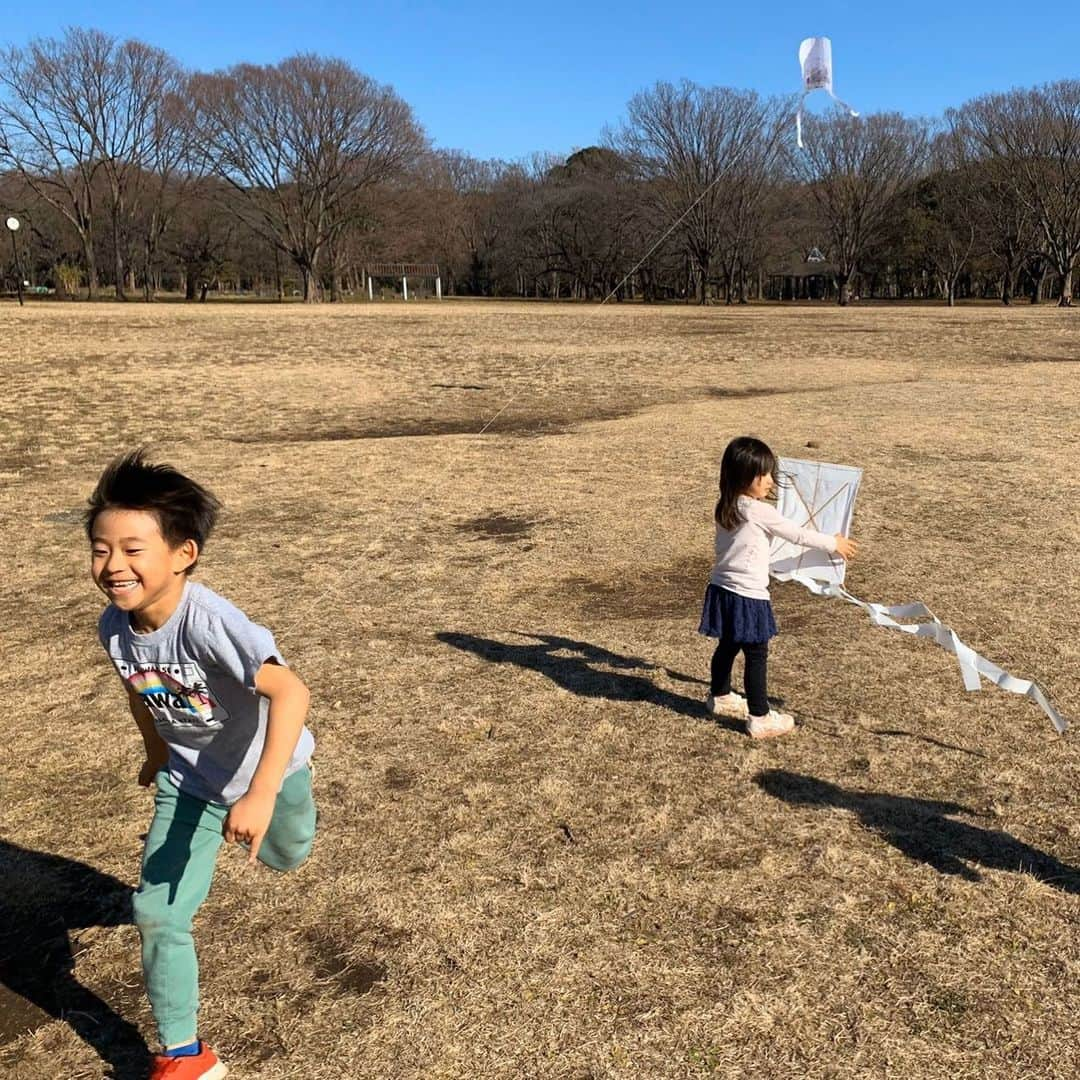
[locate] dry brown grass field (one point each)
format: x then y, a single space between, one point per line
538 858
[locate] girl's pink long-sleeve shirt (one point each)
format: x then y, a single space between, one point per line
742 553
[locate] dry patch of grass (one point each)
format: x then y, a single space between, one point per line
537 856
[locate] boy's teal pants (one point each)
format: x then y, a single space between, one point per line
178 864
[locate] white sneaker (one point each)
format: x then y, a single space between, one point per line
730 704
770 725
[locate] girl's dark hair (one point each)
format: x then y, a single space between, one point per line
184 509
744 460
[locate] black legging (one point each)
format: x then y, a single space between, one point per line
754 677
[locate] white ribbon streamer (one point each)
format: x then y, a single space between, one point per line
821 496
972 665
815 59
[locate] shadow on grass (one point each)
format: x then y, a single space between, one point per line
581 668
42 899
900 733
922 831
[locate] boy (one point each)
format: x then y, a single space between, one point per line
222 719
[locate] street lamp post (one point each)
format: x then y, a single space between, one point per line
13 228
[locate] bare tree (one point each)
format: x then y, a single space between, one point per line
44 135
1006 223
144 135
582 229
87 105
686 142
480 219
49 246
301 141
855 167
752 205
1033 136
946 212
202 236
441 207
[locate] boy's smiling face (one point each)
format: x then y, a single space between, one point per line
136 567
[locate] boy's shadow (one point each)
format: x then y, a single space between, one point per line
920 829
42 898
575 666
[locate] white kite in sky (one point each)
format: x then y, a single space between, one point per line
819 496
815 59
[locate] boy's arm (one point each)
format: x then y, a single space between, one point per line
157 752
249 817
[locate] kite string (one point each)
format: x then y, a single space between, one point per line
336 589
633 270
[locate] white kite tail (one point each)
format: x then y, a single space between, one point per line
973 667
802 101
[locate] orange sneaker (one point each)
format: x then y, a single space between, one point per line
202 1066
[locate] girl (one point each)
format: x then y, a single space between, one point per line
737 609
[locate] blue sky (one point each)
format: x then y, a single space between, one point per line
500 80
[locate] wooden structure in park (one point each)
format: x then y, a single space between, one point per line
400 271
802 277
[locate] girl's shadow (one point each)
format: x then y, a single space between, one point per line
922 831
42 898
580 668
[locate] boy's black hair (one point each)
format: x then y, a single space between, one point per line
745 459
184 509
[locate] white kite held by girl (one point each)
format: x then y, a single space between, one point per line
815 59
822 497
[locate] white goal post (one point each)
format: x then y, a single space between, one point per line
401 271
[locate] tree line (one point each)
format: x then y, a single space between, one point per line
133 176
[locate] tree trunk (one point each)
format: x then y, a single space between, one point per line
844 283
310 287
91 264
118 255
1037 285
279 280
148 273
1066 289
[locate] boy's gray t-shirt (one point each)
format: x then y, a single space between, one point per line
196 675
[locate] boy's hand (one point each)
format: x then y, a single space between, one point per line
845 548
151 767
248 819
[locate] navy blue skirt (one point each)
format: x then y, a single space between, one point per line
736 618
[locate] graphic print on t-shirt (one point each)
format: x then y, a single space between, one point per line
174 693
